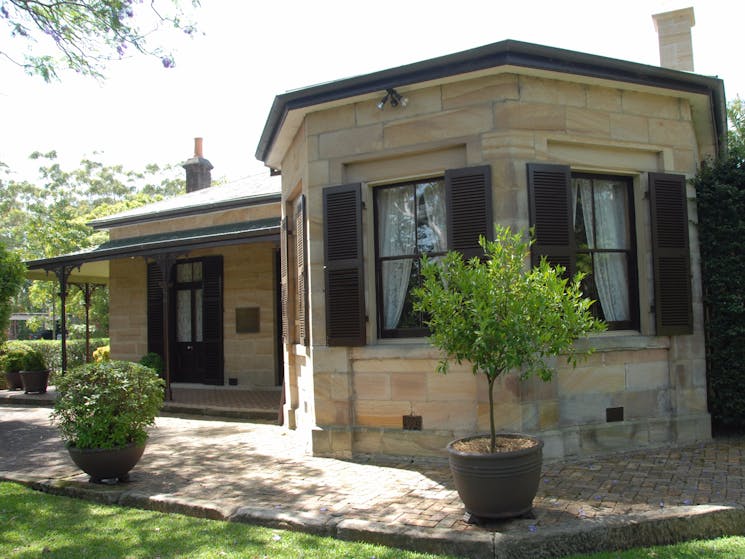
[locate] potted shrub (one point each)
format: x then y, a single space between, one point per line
103 411
12 359
496 314
34 372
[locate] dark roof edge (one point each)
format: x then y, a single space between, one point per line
244 202
147 249
508 52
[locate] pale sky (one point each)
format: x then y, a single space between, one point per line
226 78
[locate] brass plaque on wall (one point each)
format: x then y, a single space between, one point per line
247 320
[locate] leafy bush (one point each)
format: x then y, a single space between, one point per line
154 361
108 404
12 276
498 316
15 356
103 353
52 351
720 190
33 360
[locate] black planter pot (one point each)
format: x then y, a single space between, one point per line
499 485
107 463
13 380
34 382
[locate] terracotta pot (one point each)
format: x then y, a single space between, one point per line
499 485
34 382
13 380
107 463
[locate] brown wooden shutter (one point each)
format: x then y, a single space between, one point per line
284 280
469 212
345 293
154 310
550 200
212 329
670 254
301 303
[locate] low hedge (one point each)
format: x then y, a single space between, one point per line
52 351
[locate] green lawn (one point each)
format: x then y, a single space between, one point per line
722 548
35 525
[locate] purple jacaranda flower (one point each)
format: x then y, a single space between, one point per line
168 61
4 12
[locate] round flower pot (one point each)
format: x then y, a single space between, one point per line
107 463
498 485
13 380
34 382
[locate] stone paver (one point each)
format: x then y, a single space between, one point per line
260 473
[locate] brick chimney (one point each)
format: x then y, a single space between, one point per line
674 33
198 175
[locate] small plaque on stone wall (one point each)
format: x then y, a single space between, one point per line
247 320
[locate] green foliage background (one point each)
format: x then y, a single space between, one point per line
49 216
720 190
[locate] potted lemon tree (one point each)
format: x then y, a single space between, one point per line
499 316
103 411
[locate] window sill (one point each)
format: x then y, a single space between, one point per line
622 340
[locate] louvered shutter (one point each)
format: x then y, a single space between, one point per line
550 200
284 280
154 310
301 303
670 254
345 295
469 212
212 328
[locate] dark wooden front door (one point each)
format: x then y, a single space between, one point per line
197 320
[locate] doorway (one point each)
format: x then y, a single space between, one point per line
197 321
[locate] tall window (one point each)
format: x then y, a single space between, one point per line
606 247
410 220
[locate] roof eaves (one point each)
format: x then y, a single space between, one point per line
266 229
504 53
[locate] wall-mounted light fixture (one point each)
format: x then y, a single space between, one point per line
394 98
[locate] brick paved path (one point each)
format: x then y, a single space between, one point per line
226 465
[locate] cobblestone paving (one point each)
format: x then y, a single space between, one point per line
233 464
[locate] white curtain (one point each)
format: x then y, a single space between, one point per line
396 236
610 269
432 217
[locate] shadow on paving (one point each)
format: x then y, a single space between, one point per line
223 466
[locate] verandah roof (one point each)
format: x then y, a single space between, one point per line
89 264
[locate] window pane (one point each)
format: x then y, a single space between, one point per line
611 281
611 215
196 271
431 217
183 272
198 314
395 280
396 227
583 220
183 315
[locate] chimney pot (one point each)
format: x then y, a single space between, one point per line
674 34
198 169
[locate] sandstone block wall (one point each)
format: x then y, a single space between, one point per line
505 120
